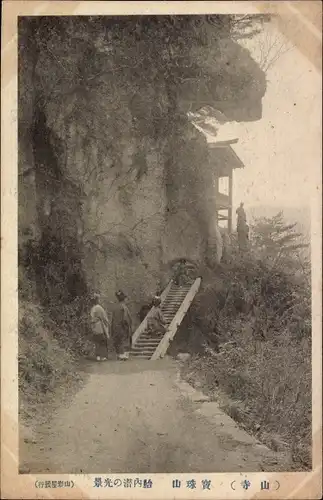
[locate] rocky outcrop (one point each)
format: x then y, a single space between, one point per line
120 182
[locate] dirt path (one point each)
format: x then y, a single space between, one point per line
134 417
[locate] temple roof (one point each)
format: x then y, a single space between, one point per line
224 158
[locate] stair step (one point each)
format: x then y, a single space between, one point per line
138 346
144 350
145 353
148 340
175 300
173 303
146 344
142 357
144 336
142 354
175 295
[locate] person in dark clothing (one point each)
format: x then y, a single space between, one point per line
144 311
181 273
156 323
242 228
121 327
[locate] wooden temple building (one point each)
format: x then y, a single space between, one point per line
224 160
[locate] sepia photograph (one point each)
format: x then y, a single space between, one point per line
167 167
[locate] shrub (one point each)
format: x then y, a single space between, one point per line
259 311
43 363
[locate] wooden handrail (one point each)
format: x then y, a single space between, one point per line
143 325
171 331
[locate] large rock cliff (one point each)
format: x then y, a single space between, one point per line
115 183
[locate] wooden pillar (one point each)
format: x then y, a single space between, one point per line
230 203
216 187
216 183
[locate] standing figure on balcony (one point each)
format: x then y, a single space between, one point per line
241 215
242 228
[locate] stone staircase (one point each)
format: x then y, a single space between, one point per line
176 301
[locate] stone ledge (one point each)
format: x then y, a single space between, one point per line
212 411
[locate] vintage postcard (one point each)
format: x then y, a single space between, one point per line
161 264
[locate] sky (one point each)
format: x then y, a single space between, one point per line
282 151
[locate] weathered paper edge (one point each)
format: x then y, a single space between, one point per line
293 485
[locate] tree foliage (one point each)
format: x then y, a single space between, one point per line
273 234
281 246
270 285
